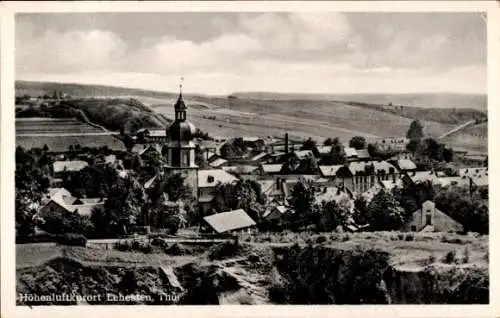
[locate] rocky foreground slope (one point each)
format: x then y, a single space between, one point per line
251 274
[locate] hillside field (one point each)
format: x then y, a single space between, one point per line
316 119
262 114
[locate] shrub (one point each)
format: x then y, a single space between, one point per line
157 242
452 240
320 239
72 239
222 251
175 249
135 245
253 258
122 246
430 260
450 257
409 237
146 248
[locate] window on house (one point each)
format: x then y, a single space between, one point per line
413 228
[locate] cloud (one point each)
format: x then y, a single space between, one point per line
285 51
71 51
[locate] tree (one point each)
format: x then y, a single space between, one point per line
332 142
360 210
307 166
302 202
336 155
25 218
241 194
448 154
415 132
128 141
174 189
91 181
67 222
471 210
121 209
328 142
413 146
330 216
309 144
385 213
199 159
31 182
357 142
372 150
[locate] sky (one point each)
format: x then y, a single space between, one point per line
221 53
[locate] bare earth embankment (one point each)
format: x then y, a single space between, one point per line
252 271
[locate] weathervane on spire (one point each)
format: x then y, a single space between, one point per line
180 84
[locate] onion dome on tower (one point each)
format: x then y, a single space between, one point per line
181 130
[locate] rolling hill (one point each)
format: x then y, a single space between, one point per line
302 115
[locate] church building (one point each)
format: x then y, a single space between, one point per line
180 147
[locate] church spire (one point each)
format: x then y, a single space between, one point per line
180 105
180 88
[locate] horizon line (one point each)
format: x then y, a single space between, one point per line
254 92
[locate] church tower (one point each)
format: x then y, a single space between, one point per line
180 147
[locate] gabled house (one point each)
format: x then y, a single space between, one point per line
428 218
421 176
473 171
228 222
329 172
208 180
341 196
143 149
324 150
454 181
351 154
360 176
62 167
242 169
271 169
394 144
406 165
57 194
275 212
262 157
363 155
218 163
275 189
302 154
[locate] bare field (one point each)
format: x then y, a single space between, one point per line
316 119
53 126
474 138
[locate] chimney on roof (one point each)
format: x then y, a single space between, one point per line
286 143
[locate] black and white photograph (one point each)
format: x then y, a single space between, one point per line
250 158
